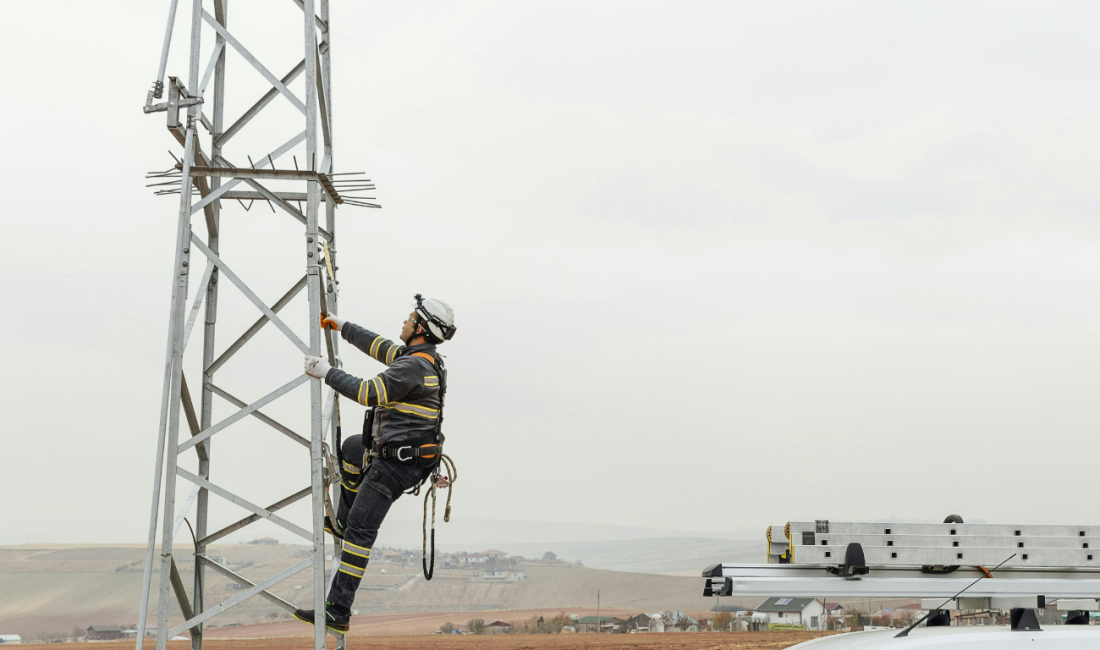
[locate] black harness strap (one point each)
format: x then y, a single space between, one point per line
405 453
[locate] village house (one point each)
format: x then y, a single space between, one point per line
103 633
498 574
468 559
603 623
671 622
898 616
498 627
809 613
748 621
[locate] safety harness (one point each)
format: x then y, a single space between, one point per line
426 455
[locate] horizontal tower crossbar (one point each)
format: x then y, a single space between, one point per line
248 410
241 580
237 525
257 414
241 597
247 505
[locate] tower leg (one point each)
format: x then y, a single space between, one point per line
179 298
313 266
210 325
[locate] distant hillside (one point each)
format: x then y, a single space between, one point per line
54 588
669 556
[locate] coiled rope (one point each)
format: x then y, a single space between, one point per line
448 464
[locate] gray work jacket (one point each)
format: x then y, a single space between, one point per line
406 394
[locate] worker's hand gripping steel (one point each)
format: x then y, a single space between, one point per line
332 321
317 367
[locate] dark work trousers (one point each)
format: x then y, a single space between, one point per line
366 495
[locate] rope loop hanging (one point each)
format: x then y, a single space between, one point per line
449 466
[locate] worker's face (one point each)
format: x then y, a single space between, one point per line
408 327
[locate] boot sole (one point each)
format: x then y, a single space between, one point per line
330 531
331 627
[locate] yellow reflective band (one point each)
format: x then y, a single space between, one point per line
391 354
430 377
375 345
377 390
413 409
361 548
351 468
425 409
352 564
354 575
367 556
385 394
359 397
349 488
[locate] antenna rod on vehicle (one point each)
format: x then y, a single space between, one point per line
924 618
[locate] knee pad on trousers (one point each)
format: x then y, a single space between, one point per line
353 449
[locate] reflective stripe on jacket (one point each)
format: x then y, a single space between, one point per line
406 393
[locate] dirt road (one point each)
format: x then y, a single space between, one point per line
684 641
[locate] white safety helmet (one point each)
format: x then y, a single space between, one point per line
437 317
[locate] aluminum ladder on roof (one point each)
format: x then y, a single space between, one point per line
934 562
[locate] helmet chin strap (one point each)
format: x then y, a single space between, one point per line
418 330
422 330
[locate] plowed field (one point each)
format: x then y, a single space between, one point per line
685 641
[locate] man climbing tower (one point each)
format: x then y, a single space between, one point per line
402 439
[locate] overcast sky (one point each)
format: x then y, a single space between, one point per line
715 265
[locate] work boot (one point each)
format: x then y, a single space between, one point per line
338 622
334 529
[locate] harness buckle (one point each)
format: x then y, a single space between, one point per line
399 454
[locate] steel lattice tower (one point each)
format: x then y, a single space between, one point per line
206 178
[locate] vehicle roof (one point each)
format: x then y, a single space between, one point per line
978 637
